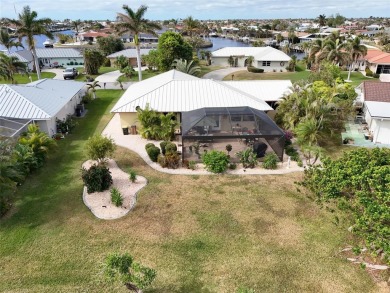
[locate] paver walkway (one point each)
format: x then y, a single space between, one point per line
221 73
137 144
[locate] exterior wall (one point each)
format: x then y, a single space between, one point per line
128 119
62 61
45 125
381 131
275 66
223 61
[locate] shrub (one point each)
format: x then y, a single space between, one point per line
99 147
229 148
153 153
96 178
270 161
170 147
255 70
369 72
375 75
172 160
148 145
232 166
116 197
132 176
192 165
248 158
216 161
163 145
161 161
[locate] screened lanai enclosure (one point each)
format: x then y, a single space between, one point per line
10 127
208 129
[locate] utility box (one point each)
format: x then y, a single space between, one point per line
125 130
133 129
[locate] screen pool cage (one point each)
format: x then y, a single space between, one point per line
13 127
241 127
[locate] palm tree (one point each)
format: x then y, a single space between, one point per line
28 26
191 26
9 66
76 24
322 19
335 51
135 23
316 50
357 50
187 67
7 41
92 87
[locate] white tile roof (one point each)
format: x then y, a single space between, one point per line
40 100
129 53
259 53
174 91
266 90
378 109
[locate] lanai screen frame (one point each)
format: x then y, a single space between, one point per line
274 136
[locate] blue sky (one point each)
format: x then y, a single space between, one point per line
200 9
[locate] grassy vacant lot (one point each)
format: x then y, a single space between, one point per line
23 78
356 77
201 233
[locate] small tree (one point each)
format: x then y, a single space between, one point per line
92 87
231 61
99 147
123 268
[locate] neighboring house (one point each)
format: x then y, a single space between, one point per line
51 57
92 36
130 54
145 38
42 101
376 108
267 58
377 61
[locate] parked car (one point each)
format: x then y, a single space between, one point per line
70 72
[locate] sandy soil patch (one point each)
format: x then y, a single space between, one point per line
100 202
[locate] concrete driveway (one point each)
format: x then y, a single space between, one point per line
221 73
57 71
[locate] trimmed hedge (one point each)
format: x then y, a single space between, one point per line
255 70
97 178
153 152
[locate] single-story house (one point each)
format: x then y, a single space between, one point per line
130 54
51 57
377 61
376 108
92 36
267 58
145 38
41 101
233 115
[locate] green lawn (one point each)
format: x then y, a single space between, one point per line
145 75
356 78
200 233
23 78
102 70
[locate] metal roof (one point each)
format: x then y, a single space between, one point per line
129 53
266 90
58 53
378 109
259 53
40 100
174 91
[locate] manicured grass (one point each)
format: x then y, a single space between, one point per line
145 75
246 75
204 69
82 76
200 233
23 78
356 78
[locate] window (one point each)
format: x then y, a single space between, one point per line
266 63
236 118
248 118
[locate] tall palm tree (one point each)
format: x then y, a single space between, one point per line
187 67
76 25
28 26
191 26
335 51
322 19
357 50
135 23
7 41
9 66
316 50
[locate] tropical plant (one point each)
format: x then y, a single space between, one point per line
9 66
128 71
24 159
316 51
63 38
215 161
7 41
99 147
357 50
292 63
109 45
132 176
116 197
335 51
322 19
191 26
248 158
270 161
133 22
121 62
92 87
249 61
93 59
228 148
153 153
27 25
187 67
231 61
122 268
39 142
